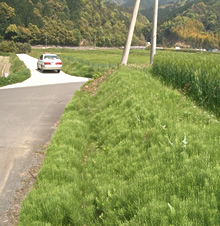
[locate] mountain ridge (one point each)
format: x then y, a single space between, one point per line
68 22
193 23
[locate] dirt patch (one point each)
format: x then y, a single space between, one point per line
94 84
4 66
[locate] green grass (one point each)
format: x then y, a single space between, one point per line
18 72
135 153
93 63
195 74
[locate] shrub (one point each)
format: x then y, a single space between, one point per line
12 47
23 47
8 47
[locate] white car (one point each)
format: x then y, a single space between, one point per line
49 62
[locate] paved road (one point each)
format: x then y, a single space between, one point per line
29 112
37 78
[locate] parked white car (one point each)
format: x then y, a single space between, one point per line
49 62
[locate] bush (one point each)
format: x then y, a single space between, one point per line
23 47
12 47
8 47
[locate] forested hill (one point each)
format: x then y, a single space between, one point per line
68 22
196 24
147 3
186 23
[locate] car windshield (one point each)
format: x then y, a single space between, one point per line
51 57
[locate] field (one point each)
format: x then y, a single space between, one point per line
196 75
94 63
18 72
4 65
129 151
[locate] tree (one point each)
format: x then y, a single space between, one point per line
6 10
11 32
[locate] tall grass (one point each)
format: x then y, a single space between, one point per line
18 72
196 74
83 68
135 153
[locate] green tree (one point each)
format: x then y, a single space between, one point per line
11 32
6 13
35 33
6 10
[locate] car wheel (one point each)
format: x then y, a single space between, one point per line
42 70
58 71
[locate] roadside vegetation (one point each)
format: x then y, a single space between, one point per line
196 75
135 152
14 47
18 72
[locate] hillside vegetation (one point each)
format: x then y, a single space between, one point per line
191 23
134 152
67 22
194 24
143 3
185 23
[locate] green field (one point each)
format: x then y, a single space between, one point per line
98 56
195 74
137 152
94 63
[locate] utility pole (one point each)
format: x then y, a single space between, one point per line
46 40
154 32
95 41
130 33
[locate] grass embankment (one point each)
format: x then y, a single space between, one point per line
92 63
18 72
195 74
134 153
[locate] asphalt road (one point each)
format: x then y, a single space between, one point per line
28 117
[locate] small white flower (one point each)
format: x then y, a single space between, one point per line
163 127
184 141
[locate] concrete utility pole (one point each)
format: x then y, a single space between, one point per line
154 32
46 40
130 33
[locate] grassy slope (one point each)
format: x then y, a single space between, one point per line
135 153
18 72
